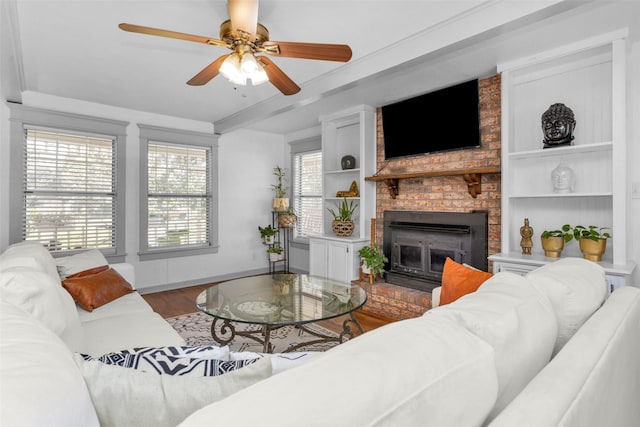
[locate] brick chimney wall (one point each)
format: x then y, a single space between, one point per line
439 194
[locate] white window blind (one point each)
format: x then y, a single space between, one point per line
69 190
179 196
307 192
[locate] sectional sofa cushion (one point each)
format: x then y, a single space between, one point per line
509 314
576 288
423 371
26 254
595 378
38 372
128 330
95 290
127 397
42 296
77 263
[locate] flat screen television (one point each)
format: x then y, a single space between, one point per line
447 119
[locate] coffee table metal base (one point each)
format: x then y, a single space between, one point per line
263 335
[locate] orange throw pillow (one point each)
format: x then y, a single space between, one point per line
93 290
458 280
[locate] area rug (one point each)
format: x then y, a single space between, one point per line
195 328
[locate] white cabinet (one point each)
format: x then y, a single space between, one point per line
615 275
335 257
589 78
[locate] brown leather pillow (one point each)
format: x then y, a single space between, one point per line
93 290
459 280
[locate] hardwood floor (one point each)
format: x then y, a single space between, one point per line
182 301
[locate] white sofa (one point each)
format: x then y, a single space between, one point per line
541 350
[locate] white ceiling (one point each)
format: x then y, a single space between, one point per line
74 49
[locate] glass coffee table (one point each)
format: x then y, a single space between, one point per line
277 300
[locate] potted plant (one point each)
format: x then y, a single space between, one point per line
553 240
280 201
288 218
343 218
592 240
373 260
275 253
267 233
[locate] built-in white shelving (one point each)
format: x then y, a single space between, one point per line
588 77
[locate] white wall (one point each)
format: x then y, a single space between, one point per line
246 161
633 115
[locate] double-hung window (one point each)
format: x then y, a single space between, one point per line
306 159
71 194
179 204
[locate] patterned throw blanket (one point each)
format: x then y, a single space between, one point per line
192 361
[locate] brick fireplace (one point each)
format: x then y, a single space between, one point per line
438 194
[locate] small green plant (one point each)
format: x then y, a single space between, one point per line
267 231
566 233
345 210
274 250
592 233
280 188
373 258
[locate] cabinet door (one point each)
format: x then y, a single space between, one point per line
338 256
317 258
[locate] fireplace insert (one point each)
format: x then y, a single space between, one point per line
418 243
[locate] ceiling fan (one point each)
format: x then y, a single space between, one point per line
246 37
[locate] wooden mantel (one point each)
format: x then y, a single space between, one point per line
472 177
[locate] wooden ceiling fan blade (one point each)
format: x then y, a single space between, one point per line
171 34
277 77
322 51
208 72
244 16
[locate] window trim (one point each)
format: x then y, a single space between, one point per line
301 146
159 134
21 117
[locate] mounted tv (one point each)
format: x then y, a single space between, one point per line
447 119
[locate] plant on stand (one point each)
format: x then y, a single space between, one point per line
268 233
287 219
280 201
343 224
373 260
275 253
592 240
553 240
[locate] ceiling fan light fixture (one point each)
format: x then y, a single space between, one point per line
230 68
248 64
259 77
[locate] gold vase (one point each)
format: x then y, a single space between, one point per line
593 250
552 246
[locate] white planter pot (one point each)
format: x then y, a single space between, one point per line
269 239
275 257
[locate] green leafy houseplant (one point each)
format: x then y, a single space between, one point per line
274 250
373 258
343 224
592 233
288 218
279 189
275 253
267 233
566 233
553 240
280 201
344 211
592 240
